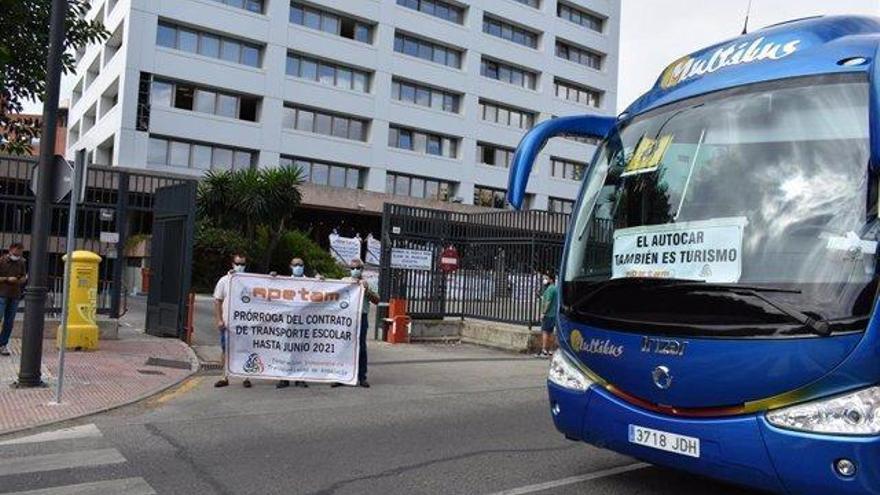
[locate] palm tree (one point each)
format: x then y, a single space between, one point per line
251 199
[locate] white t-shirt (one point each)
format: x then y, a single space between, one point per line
221 293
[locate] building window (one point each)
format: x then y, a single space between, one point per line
559 205
509 32
326 173
186 96
508 116
328 73
492 154
199 156
418 187
427 50
581 139
322 122
508 73
334 24
581 56
578 94
567 169
209 45
425 96
436 8
535 4
255 6
580 17
490 197
422 142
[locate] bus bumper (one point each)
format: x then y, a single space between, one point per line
744 450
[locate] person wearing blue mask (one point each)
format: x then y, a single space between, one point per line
297 270
357 277
221 298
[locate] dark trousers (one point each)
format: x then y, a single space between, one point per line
8 307
362 352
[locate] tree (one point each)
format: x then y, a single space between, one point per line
249 200
24 48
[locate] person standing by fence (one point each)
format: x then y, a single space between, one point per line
221 295
548 313
357 277
13 277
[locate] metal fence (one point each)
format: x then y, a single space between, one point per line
502 256
117 201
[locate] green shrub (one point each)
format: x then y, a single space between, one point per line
212 248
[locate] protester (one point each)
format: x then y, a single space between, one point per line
297 270
13 276
221 294
357 277
548 313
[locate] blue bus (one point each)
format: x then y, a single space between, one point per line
720 273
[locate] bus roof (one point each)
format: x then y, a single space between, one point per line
810 46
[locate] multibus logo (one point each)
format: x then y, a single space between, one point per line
594 346
731 55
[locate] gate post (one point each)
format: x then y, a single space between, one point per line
122 231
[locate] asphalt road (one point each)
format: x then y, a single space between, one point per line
438 419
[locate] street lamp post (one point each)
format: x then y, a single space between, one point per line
35 294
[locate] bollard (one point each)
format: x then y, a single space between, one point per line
82 327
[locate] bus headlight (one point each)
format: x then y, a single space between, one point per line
565 374
856 413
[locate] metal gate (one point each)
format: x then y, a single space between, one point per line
171 260
118 202
502 256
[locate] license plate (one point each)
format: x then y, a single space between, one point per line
662 440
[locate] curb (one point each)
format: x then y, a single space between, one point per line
194 365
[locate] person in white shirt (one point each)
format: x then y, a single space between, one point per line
221 294
357 277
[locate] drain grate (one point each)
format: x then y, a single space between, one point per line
168 363
150 372
206 366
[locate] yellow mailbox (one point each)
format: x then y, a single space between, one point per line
82 327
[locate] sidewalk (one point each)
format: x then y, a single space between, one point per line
115 375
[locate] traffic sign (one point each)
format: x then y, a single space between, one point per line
449 260
62 178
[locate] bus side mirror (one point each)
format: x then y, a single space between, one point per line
596 126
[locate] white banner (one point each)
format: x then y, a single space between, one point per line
411 259
345 249
293 328
374 251
709 250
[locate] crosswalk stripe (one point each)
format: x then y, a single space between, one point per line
66 460
83 431
125 486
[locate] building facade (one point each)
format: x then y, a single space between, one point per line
422 100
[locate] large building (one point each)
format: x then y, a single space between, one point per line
424 100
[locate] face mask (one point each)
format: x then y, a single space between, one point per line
546 281
13 257
238 268
356 273
297 270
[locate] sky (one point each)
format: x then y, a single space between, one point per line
656 32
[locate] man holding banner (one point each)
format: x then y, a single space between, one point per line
297 270
293 328
357 277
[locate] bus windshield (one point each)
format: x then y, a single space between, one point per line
745 213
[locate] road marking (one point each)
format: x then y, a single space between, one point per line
67 460
83 431
539 487
186 387
125 486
